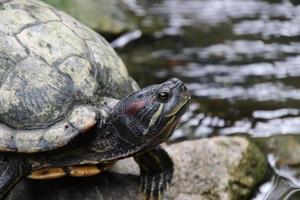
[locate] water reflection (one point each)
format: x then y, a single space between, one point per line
269 28
277 188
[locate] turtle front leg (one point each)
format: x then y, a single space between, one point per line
16 169
156 172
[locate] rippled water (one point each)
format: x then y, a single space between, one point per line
239 58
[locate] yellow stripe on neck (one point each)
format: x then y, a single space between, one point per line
154 118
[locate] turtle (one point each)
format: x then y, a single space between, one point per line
68 106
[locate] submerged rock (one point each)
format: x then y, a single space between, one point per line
283 156
284 148
104 16
216 168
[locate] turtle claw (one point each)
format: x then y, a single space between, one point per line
152 186
156 172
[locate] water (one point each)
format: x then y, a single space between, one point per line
240 60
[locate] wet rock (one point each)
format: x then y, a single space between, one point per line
284 148
110 17
216 168
283 155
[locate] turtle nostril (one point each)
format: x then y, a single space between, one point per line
183 88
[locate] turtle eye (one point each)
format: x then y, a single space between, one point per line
163 96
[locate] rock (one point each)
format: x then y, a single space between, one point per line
216 168
285 148
110 17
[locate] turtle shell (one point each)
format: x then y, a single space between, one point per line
51 66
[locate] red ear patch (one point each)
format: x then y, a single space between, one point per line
134 107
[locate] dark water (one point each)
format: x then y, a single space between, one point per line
239 58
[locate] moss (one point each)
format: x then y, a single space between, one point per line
249 173
103 16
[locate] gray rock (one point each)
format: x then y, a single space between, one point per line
217 168
101 15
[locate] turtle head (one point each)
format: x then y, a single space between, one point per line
152 113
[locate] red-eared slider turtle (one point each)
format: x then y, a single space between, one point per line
68 106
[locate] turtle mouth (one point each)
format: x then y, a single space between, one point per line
180 108
175 116
183 108
168 128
